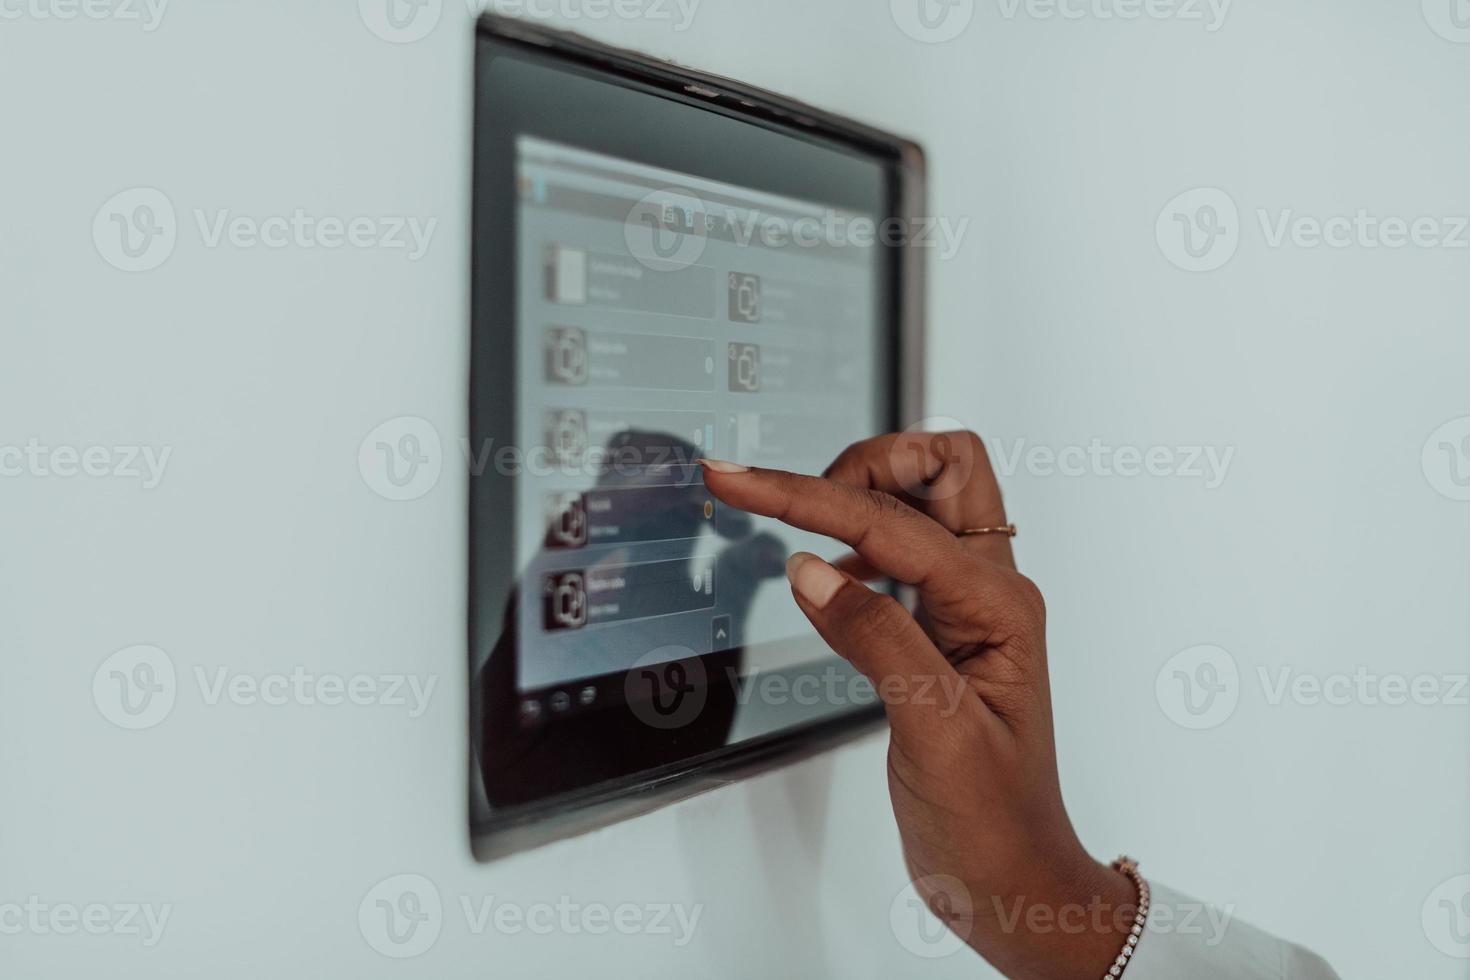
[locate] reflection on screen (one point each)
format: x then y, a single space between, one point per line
662 318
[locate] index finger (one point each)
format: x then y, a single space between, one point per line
890 535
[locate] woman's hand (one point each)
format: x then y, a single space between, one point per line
971 761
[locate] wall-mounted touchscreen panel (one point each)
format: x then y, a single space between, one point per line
655 280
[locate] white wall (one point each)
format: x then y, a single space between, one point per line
1325 548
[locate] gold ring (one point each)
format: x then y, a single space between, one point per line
1009 530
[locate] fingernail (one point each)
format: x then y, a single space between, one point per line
813 579
720 466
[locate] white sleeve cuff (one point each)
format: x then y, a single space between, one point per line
1185 938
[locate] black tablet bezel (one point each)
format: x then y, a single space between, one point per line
501 116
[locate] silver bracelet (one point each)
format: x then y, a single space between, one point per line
1129 867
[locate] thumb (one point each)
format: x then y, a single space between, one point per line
875 633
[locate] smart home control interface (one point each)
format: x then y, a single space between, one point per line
662 317
664 267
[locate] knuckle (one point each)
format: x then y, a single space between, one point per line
881 618
847 461
1031 598
972 441
972 449
882 505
